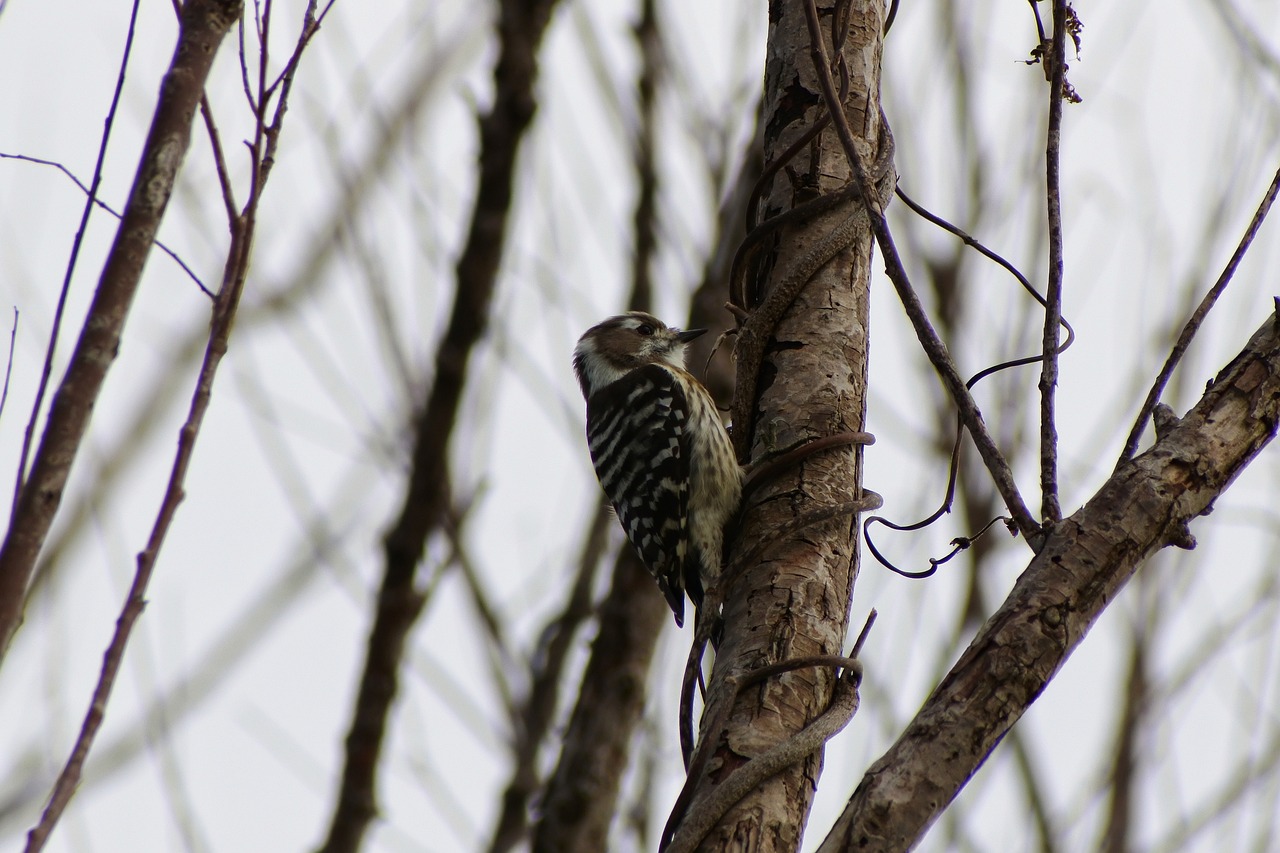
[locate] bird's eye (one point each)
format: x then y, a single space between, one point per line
645 329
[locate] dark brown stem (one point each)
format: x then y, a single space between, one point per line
581 797
933 346
224 310
502 129
1122 796
538 711
1195 320
1051 510
578 804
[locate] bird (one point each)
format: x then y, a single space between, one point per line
660 450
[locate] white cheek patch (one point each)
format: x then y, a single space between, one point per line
675 356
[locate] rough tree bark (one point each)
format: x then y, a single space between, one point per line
794 601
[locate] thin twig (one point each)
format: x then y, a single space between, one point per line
310 28
1050 508
981 249
8 368
1195 320
109 209
203 28
47 370
953 469
219 159
244 66
205 23
215 140
928 337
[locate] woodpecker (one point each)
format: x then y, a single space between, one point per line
660 451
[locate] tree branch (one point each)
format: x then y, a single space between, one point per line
55 331
235 272
521 26
534 718
1086 560
1194 322
933 346
579 804
1050 508
204 24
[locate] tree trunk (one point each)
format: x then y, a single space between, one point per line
794 599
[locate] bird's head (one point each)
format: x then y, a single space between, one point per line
613 348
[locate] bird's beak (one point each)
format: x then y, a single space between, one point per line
688 335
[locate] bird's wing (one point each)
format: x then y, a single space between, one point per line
637 434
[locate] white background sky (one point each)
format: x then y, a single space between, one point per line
302 457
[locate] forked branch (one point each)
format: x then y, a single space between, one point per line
1086 560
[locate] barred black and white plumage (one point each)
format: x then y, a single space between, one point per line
660 451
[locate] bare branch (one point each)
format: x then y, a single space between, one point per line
203 27
47 369
1195 320
93 199
1051 509
1117 837
538 711
933 346
8 366
1085 561
579 803
205 23
502 129
224 312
